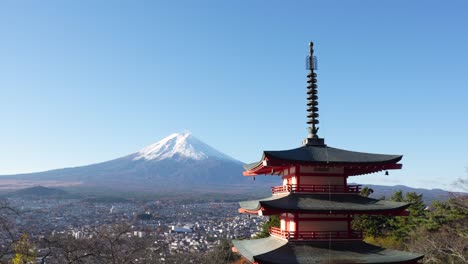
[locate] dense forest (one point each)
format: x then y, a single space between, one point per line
438 230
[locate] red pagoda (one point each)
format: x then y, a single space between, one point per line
315 203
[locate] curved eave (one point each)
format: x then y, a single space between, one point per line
351 169
362 162
323 204
272 250
251 212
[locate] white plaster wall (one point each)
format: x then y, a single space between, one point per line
292 170
283 224
294 180
292 225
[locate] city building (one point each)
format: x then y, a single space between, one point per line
315 203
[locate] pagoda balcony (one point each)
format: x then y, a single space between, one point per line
315 188
315 235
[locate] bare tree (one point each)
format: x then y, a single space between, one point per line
8 235
460 199
109 245
448 245
448 241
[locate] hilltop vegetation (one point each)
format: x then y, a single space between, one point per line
439 231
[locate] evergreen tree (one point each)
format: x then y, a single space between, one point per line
273 221
366 191
397 196
403 225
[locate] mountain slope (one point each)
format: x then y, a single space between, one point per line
180 146
179 161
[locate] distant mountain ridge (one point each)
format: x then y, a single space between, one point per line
429 195
40 191
177 162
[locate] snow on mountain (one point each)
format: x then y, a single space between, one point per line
180 146
177 162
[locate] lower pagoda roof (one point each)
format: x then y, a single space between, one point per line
323 155
322 203
272 250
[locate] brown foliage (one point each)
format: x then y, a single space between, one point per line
111 245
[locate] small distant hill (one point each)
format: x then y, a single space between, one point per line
428 195
40 191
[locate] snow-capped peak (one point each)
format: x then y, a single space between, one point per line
179 145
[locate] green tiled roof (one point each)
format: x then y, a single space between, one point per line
319 203
272 250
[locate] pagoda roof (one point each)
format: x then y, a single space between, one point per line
323 155
322 203
272 250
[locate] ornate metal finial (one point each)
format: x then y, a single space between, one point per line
312 98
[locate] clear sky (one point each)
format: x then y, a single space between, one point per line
88 81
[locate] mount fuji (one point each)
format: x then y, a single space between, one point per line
180 147
177 162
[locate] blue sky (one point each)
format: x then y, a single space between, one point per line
87 81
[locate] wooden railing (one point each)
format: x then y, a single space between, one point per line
315 235
314 188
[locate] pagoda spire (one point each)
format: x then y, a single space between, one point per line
312 99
